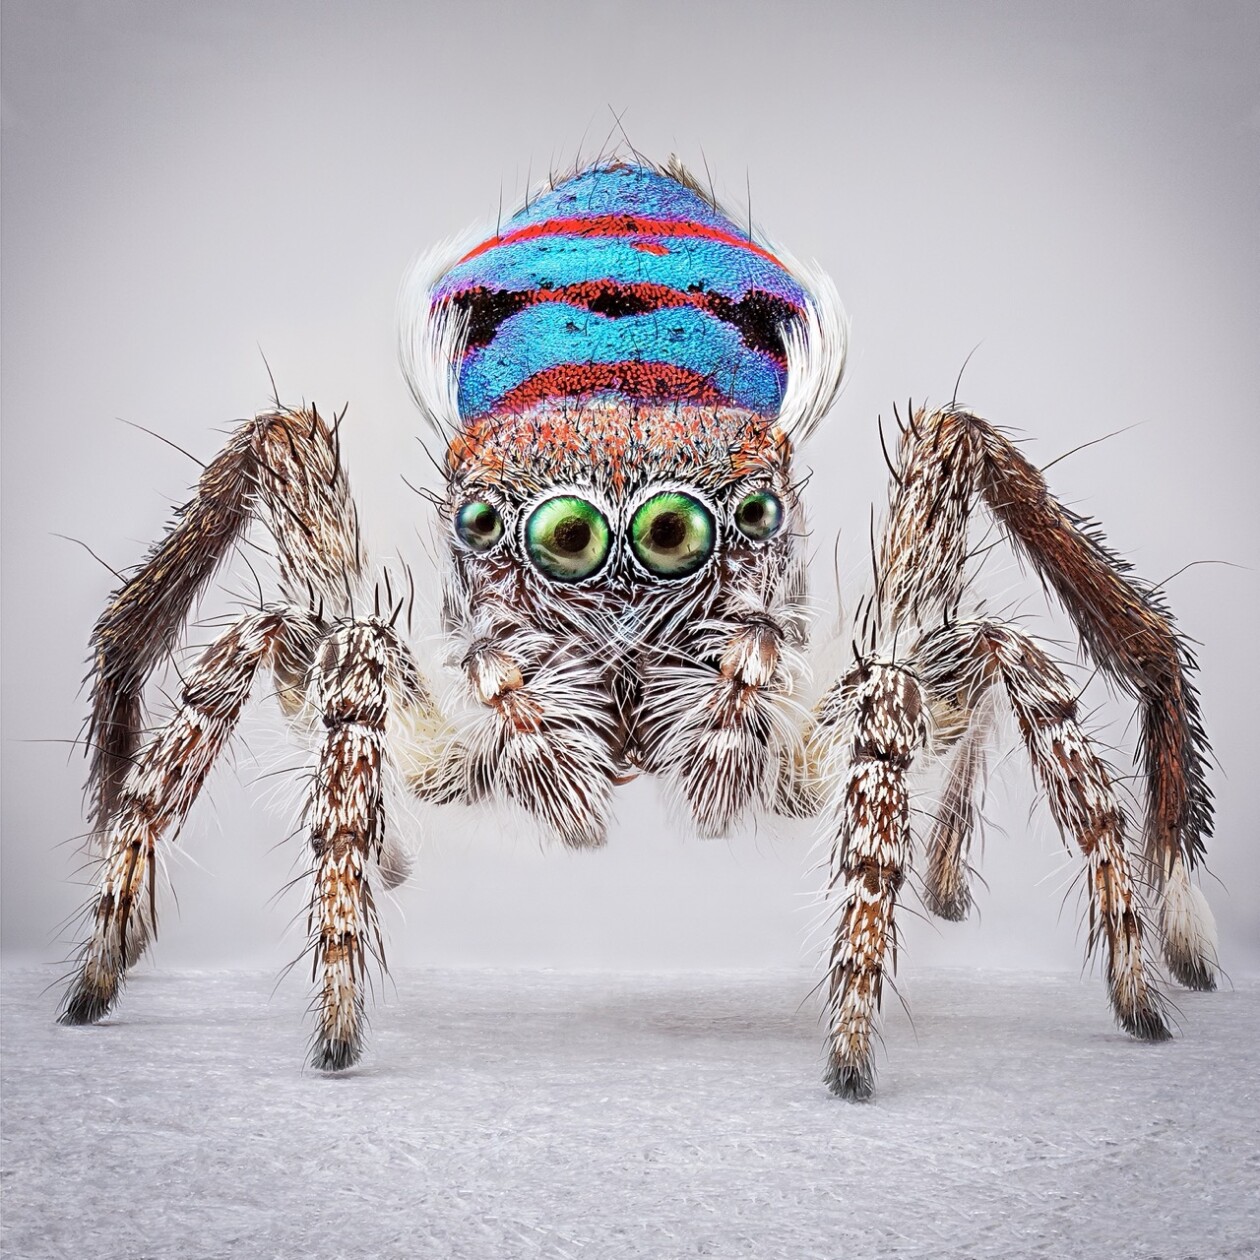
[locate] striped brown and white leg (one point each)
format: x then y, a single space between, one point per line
152 801
870 728
350 689
283 469
967 658
947 461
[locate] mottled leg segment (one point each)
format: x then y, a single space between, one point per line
872 725
349 687
734 754
157 794
946 883
968 658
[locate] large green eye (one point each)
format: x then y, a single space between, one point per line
759 514
567 538
478 525
672 534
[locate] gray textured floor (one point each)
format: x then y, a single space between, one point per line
544 1114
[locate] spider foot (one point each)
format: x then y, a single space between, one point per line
856 1084
89 1001
1139 1009
1190 971
1146 1023
1189 932
339 1039
946 901
336 1054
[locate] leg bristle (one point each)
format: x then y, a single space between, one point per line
1191 972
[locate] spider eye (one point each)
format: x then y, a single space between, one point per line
672 534
478 525
759 515
567 538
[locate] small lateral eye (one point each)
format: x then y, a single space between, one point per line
759 515
478 525
567 538
672 534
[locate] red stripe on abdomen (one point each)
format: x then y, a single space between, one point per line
657 382
620 225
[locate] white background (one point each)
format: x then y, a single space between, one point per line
1074 189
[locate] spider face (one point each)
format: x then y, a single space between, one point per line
666 533
635 533
623 523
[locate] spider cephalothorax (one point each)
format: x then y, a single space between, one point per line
621 376
675 526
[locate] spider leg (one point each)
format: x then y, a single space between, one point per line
967 658
350 688
946 888
334 673
718 717
948 460
871 726
286 464
155 797
544 744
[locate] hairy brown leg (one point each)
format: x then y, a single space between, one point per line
349 687
155 797
542 736
968 658
720 726
946 887
283 469
284 463
545 740
950 458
